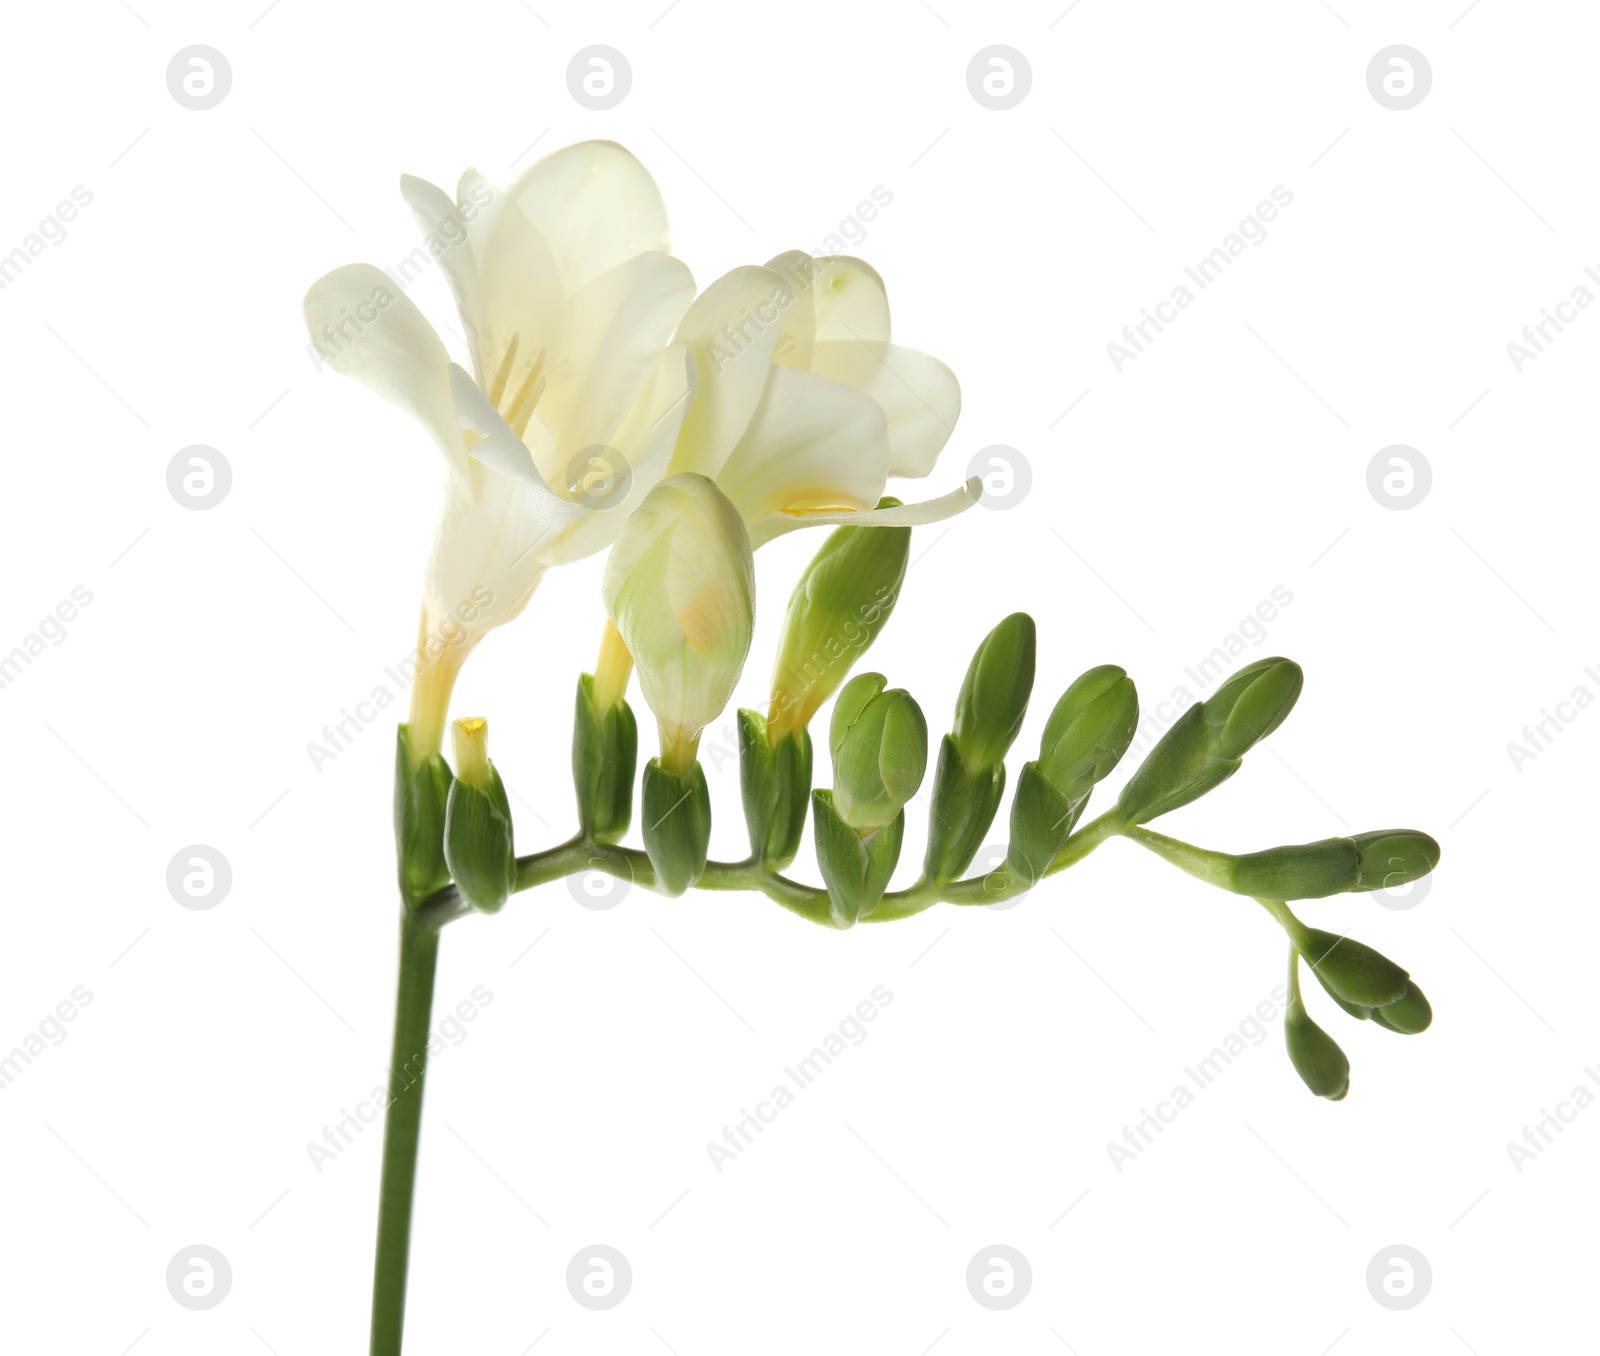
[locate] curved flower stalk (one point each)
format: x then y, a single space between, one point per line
568 300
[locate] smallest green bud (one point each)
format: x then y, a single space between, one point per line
1316 1056
879 742
478 846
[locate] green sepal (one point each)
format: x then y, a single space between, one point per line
1350 970
1408 1015
856 870
421 791
1178 770
962 809
1302 871
775 784
605 751
675 816
1315 1054
1041 819
478 844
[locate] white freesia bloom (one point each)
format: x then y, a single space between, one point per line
805 408
568 299
680 588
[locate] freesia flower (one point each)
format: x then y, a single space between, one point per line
680 589
568 299
805 408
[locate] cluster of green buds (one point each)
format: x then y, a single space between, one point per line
679 592
879 743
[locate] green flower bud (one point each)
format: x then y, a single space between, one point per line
994 694
679 586
675 817
855 867
776 784
478 845
1351 971
879 742
1089 730
1408 1015
842 601
1394 857
421 793
1204 746
1369 861
1251 705
605 750
1316 1056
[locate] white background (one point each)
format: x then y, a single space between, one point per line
1227 459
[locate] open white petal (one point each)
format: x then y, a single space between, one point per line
365 327
447 240
644 444
596 206
836 297
732 329
813 446
615 330
920 396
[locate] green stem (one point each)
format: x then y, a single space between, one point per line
1203 864
413 1009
